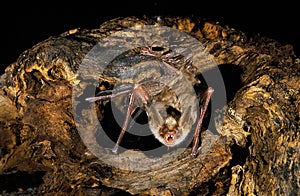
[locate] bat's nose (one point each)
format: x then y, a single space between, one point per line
169 138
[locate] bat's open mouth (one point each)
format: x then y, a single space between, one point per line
169 138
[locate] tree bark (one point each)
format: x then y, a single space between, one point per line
255 150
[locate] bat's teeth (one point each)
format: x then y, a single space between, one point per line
169 138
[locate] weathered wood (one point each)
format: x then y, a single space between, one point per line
256 151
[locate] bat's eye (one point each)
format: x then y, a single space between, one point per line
169 138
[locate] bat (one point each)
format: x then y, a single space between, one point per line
165 91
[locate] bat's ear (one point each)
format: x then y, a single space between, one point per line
187 117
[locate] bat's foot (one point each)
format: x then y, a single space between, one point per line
115 149
195 152
194 155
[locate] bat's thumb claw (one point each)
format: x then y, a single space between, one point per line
210 90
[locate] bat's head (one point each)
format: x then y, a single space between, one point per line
170 125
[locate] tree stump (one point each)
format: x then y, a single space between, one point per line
253 148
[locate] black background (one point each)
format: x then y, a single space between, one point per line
24 24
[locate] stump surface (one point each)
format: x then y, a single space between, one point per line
256 150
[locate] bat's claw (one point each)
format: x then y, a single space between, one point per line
115 149
194 154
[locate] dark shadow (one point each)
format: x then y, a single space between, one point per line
139 136
225 79
232 79
14 181
240 154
